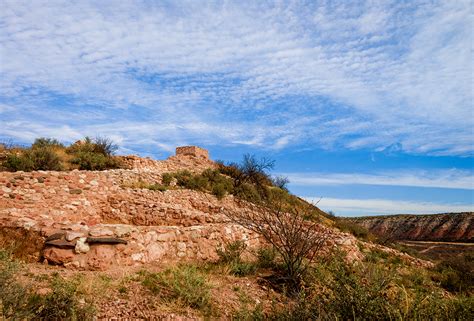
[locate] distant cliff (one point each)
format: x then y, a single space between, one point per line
454 227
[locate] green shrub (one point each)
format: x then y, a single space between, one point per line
183 283
94 161
240 268
18 299
44 158
248 311
39 158
166 179
182 177
96 154
46 142
90 161
15 298
266 257
248 192
231 255
219 190
157 187
15 163
197 182
353 228
208 181
372 291
50 154
63 302
232 170
231 251
303 308
456 274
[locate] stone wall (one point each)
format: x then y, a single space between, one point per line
94 220
92 210
192 151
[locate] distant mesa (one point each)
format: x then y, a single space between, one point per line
192 151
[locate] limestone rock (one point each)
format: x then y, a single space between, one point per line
81 246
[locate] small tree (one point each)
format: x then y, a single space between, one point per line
294 238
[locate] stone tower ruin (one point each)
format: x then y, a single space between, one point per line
192 151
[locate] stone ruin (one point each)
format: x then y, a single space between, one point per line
98 219
192 151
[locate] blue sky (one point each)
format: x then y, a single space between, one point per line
367 104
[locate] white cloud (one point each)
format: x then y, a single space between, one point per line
361 207
403 70
440 178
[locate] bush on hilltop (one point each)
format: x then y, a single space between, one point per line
50 154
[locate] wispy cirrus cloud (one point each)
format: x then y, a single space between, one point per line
437 178
263 74
362 207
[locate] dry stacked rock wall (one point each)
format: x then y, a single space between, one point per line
75 210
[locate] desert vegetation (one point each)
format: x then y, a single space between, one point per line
332 289
293 275
20 298
50 154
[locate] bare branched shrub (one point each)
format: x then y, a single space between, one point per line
294 238
281 182
251 170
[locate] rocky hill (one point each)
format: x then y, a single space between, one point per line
98 219
452 227
134 247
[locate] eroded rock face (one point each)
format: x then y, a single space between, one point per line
453 227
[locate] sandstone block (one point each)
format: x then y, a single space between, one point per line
100 231
58 256
101 257
73 235
123 230
155 251
166 237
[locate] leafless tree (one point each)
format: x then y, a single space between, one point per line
296 239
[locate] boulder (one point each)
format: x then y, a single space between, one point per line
57 255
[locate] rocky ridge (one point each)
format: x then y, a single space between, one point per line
448 227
